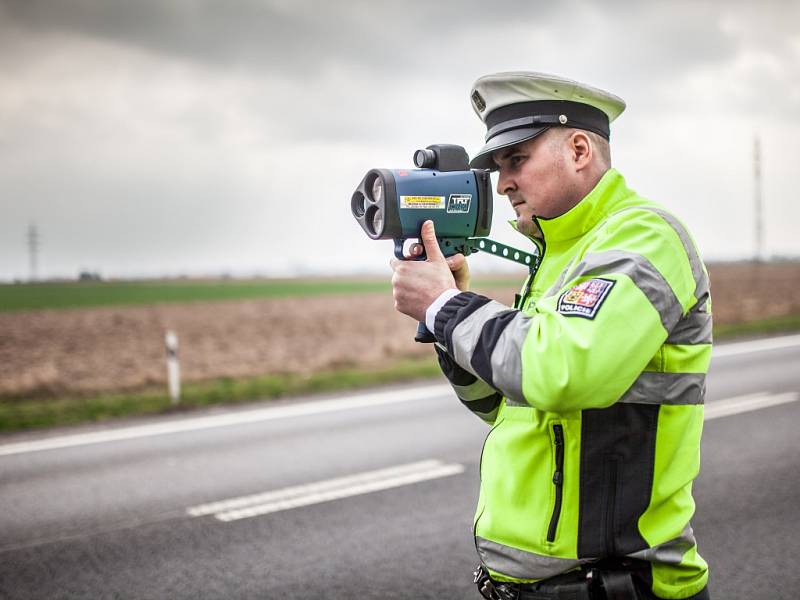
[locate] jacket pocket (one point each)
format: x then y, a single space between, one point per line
558 479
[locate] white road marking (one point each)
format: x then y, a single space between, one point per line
738 348
310 488
272 501
742 404
254 505
314 407
311 408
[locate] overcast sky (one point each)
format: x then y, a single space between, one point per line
158 137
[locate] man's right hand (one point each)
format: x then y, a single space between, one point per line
458 266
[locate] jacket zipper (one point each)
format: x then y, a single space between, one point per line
558 480
519 301
612 476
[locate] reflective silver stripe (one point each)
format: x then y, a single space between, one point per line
670 552
694 328
477 390
522 564
700 278
467 333
667 388
506 359
701 290
520 402
643 274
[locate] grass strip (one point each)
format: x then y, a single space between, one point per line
17 414
785 324
66 295
46 295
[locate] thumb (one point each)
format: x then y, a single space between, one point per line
428 235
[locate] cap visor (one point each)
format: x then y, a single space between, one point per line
483 159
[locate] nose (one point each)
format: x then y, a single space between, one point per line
505 183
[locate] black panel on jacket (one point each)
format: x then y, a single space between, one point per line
618 446
453 312
454 373
483 405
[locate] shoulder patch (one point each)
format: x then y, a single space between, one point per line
585 299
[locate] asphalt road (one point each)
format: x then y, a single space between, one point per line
363 496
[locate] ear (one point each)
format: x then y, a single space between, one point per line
581 148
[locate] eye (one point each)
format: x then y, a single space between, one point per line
516 160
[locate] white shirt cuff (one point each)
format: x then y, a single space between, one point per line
436 305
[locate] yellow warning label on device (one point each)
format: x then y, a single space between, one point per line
422 202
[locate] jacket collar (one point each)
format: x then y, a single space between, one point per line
595 206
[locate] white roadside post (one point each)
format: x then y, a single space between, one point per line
173 366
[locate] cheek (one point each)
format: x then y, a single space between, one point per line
527 183
533 187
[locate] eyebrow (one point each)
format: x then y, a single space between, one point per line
504 153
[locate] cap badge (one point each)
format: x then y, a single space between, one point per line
562 119
478 101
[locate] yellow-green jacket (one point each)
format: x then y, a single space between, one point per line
594 386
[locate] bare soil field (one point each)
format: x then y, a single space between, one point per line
52 353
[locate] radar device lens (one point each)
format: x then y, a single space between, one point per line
377 190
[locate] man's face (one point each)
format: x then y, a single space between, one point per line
534 176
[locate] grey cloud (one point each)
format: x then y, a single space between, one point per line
300 36
274 36
344 68
446 43
187 105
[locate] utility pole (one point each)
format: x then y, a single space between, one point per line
33 251
759 201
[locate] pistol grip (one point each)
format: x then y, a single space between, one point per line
398 250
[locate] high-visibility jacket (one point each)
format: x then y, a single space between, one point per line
594 385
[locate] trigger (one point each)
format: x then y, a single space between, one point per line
401 253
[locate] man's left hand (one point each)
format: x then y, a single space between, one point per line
416 284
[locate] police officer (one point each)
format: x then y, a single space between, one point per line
593 383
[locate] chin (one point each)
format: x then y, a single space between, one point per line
525 225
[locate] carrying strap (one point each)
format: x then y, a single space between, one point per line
618 585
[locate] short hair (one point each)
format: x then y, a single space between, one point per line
602 147
600 144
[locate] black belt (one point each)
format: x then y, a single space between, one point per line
590 584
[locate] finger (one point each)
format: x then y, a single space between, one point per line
456 261
393 263
428 235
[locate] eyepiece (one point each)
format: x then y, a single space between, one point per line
425 158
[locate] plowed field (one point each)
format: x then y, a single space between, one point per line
84 351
